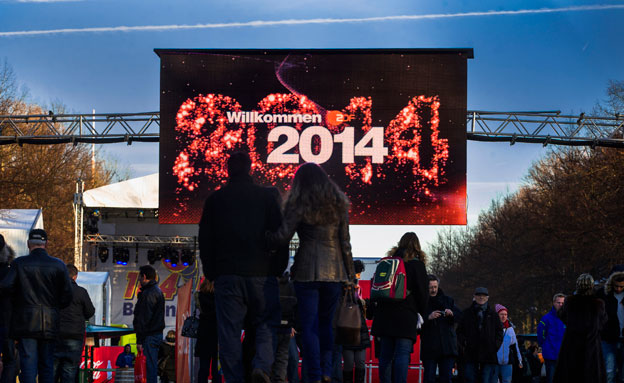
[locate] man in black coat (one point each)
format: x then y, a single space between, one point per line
40 287
149 319
68 350
438 340
236 258
479 335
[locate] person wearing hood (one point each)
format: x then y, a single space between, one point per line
166 358
550 332
612 294
126 358
438 340
480 335
505 353
7 345
580 357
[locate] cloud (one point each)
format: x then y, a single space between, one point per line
288 22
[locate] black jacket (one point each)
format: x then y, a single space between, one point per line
207 344
611 331
233 227
40 287
438 337
149 312
5 299
399 319
73 317
480 345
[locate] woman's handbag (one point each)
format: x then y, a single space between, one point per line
348 320
190 328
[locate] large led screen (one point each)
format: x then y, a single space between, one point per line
388 126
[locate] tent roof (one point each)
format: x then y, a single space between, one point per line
140 193
19 219
92 277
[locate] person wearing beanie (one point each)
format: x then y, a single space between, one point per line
550 332
580 357
612 294
506 357
40 287
479 336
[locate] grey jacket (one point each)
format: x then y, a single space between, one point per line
324 253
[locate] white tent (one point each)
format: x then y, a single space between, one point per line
98 285
136 193
15 224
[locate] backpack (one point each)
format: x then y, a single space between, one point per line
389 281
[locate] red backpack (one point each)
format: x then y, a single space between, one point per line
389 281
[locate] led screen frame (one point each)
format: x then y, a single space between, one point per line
388 126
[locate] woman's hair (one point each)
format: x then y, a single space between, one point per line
317 198
585 284
408 248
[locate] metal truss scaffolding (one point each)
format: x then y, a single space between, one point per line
531 127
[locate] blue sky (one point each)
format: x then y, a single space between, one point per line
529 55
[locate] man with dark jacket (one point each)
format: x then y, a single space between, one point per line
40 287
479 335
68 350
149 319
550 332
611 337
438 340
235 256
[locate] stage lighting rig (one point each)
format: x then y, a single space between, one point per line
103 254
172 256
155 255
188 257
121 255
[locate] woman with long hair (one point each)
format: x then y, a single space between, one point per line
318 211
396 322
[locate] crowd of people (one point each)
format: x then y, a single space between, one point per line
244 234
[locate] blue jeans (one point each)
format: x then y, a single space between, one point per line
151 344
337 364
258 299
489 373
550 369
504 372
67 356
394 359
445 368
36 358
614 360
316 304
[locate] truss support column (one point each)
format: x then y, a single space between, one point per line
78 225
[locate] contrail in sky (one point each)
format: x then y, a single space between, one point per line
270 23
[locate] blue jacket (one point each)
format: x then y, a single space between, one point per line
550 334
